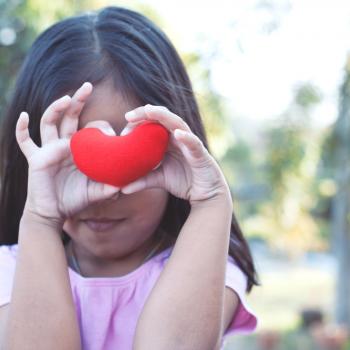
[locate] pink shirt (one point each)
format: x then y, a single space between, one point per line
108 307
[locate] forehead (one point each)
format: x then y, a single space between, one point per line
106 103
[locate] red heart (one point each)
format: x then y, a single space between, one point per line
119 160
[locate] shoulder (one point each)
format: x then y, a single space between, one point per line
238 315
10 250
8 254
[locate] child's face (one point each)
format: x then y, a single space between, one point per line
142 210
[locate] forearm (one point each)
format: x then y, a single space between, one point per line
42 313
184 310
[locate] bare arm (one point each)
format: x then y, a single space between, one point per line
185 308
231 303
42 313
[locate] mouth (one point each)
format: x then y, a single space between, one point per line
102 224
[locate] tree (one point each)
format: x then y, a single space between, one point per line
20 22
341 202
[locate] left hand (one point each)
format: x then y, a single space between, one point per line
188 170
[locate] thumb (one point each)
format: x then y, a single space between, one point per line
153 179
103 125
130 127
98 191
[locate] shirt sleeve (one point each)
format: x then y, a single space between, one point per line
244 319
7 272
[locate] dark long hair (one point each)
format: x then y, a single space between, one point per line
115 43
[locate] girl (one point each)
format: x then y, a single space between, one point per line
158 264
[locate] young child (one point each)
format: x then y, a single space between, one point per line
158 264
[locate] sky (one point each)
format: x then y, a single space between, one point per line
259 54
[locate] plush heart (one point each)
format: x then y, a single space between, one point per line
119 160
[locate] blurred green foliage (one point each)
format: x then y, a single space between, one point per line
20 22
277 186
283 180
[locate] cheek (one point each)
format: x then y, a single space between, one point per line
154 202
149 207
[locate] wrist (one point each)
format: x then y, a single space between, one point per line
30 216
222 199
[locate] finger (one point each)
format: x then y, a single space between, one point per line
48 123
194 145
52 154
98 191
159 113
151 180
103 125
130 127
26 144
70 121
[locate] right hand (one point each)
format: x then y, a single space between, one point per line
56 188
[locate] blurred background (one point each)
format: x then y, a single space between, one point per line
273 82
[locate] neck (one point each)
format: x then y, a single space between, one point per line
115 268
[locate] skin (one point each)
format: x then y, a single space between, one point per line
122 249
57 192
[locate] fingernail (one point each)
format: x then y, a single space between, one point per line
157 166
86 84
108 131
124 132
130 115
66 98
127 190
111 190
